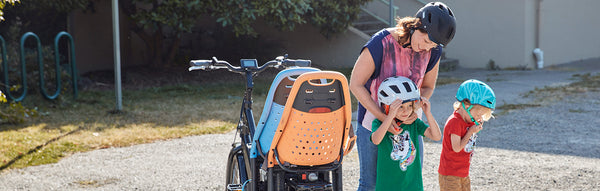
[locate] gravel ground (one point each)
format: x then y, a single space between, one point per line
552 147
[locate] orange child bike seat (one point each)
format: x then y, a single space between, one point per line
274 105
315 126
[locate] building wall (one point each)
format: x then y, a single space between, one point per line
306 42
569 30
93 36
505 32
491 31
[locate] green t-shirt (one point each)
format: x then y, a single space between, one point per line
398 158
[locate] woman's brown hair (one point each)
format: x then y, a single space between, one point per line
404 26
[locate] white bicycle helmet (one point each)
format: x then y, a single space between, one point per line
397 87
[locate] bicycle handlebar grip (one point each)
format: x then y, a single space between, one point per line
200 64
299 62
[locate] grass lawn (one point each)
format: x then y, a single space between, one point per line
89 123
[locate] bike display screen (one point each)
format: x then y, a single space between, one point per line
249 63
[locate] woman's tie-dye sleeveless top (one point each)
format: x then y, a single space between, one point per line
397 61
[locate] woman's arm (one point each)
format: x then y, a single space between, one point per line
362 71
433 132
429 81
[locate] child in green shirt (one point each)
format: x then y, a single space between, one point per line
396 167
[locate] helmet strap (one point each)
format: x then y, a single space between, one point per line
386 108
469 112
412 30
398 122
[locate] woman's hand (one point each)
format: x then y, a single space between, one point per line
411 119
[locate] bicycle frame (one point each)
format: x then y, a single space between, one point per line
245 128
246 125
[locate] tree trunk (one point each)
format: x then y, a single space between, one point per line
173 50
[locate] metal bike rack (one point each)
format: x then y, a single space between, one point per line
57 61
41 67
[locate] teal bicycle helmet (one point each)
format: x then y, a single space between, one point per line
478 93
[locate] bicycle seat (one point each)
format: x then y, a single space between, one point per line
274 105
315 126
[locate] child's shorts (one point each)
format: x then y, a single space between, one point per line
454 183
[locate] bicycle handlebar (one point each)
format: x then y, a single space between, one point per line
280 61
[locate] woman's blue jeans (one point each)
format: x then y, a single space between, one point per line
367 156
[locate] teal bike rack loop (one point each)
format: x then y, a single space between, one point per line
57 61
6 86
23 70
41 67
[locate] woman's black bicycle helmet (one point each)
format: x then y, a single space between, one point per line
439 22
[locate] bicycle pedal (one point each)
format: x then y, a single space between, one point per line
234 187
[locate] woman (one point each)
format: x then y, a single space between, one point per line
412 49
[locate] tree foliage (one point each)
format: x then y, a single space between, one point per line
3 3
156 19
161 23
44 17
330 16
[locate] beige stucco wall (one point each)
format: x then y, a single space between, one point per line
569 30
491 30
505 31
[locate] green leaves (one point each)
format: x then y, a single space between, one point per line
334 16
3 3
2 97
330 16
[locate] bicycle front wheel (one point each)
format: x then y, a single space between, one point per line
236 170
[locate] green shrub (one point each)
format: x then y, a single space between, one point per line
14 112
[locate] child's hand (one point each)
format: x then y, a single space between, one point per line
394 107
425 104
475 128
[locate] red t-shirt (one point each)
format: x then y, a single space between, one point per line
453 163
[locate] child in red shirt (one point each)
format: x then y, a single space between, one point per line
476 100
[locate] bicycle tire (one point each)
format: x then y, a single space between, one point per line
235 169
